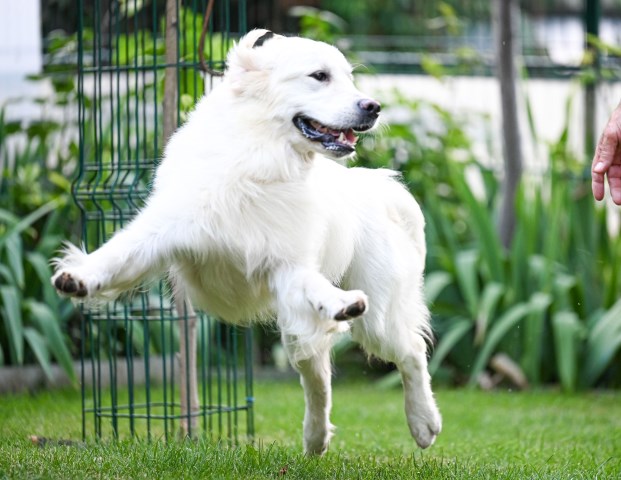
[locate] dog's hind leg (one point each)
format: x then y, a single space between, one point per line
315 377
393 335
392 340
395 329
421 411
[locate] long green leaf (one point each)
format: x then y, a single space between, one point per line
48 322
491 250
439 223
135 332
533 335
12 313
603 342
450 338
566 327
27 221
491 296
39 347
42 268
15 259
500 328
435 283
6 274
467 279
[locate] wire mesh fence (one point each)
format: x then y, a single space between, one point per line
154 368
412 37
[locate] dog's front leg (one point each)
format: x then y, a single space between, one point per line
315 377
296 288
132 254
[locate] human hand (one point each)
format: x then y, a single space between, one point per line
607 160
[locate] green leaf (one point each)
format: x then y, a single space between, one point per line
12 313
603 342
38 346
49 325
14 253
467 279
442 225
21 225
492 294
435 283
491 250
41 267
136 334
500 328
449 339
563 284
6 274
566 327
533 337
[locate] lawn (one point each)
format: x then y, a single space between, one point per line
502 434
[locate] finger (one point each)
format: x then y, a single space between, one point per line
597 185
606 149
614 183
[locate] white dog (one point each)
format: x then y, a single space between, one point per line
249 214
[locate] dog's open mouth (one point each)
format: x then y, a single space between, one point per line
339 141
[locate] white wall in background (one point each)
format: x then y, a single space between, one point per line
20 37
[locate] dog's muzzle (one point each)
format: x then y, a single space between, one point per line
339 140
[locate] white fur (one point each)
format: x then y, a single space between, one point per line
253 220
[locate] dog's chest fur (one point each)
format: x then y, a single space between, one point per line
245 232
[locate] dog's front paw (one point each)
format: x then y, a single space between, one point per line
352 311
350 305
69 285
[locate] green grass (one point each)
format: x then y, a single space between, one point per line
541 434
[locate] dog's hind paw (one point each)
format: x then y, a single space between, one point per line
66 284
425 428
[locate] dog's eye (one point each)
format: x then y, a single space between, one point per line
320 76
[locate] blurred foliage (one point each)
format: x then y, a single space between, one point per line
39 158
550 301
36 215
399 17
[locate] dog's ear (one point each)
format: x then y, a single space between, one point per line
262 39
244 65
256 38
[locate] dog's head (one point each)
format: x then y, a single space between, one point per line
305 88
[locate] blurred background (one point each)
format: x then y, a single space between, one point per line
494 140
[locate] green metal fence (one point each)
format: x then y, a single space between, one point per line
134 380
411 36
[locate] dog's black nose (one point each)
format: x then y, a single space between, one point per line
370 106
